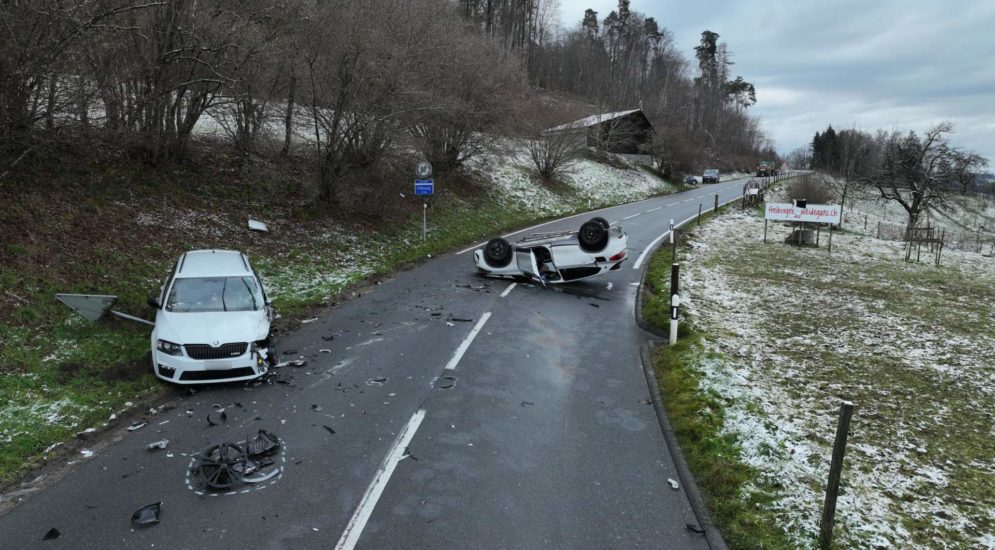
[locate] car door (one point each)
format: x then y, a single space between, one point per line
528 265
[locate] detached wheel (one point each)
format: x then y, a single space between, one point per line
602 221
497 252
593 236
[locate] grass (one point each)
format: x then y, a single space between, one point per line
782 334
117 228
735 501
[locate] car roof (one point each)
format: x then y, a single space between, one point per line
213 263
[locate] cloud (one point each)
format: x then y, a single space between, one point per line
888 64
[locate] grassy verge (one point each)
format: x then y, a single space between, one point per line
736 501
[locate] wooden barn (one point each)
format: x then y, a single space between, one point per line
626 132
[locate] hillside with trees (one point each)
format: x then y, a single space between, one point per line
351 89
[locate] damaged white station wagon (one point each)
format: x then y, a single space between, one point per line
560 257
212 321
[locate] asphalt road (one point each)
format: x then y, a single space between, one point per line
520 423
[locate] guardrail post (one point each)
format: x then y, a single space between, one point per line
716 203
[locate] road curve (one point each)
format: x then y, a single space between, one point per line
511 417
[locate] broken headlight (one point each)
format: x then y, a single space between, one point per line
169 348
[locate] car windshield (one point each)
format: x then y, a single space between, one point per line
711 172
201 294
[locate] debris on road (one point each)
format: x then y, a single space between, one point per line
694 528
673 484
328 337
263 444
377 381
329 429
52 534
87 453
527 403
324 350
592 304
217 418
447 382
223 466
316 408
306 321
407 454
136 425
156 445
255 225
610 286
146 515
459 319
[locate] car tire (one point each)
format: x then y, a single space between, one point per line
497 252
602 221
593 236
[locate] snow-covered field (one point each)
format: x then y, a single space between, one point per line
791 332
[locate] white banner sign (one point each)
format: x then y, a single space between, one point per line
814 213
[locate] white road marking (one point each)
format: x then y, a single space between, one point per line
671 204
466 343
633 216
653 209
639 260
508 290
478 245
362 514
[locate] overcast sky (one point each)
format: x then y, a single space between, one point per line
880 64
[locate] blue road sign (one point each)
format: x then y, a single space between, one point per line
424 187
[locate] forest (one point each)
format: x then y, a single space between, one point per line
353 89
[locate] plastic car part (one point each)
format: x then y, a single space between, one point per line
263 444
146 515
593 236
498 252
602 221
222 466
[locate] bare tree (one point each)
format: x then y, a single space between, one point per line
912 170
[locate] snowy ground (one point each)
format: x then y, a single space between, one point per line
968 221
792 332
299 260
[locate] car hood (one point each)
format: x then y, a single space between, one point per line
214 328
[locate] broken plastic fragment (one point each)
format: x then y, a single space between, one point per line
262 477
695 528
161 444
216 418
52 534
87 453
257 226
329 428
377 381
263 444
146 515
673 483
136 425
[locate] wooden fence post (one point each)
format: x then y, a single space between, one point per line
835 469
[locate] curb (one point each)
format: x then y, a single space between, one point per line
712 535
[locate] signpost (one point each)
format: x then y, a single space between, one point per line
424 187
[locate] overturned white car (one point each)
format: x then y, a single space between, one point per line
560 257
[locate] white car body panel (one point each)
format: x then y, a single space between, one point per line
569 261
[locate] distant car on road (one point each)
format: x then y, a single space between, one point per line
690 180
212 320
552 258
710 176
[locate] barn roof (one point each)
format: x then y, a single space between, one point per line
592 120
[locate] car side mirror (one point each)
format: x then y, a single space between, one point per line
153 303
